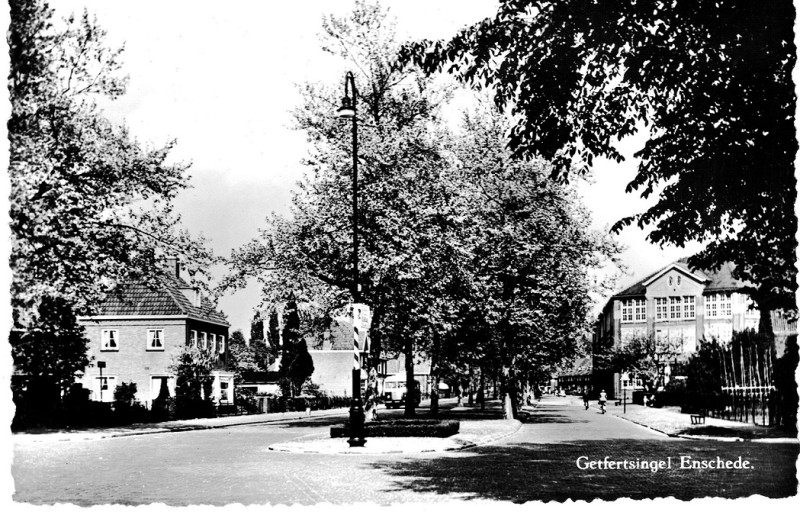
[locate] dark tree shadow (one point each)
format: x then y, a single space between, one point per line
548 472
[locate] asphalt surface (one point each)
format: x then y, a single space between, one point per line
538 463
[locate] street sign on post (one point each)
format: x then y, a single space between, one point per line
362 317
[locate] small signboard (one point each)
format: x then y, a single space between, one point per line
362 316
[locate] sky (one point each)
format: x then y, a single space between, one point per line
222 83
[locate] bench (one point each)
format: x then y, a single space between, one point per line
699 418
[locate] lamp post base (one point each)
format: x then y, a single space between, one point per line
356 424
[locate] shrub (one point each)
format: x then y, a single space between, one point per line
245 400
402 428
125 394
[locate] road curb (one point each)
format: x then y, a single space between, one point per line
488 439
82 436
648 427
693 437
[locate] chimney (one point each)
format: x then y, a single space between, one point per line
173 266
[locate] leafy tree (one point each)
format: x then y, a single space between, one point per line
704 372
711 84
530 253
642 356
243 355
193 383
398 168
296 363
89 205
786 385
49 355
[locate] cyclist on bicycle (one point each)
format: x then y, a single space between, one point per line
602 401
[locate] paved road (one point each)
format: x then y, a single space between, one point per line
233 465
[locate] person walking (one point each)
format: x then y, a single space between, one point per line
586 399
602 401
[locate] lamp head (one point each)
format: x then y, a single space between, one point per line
347 110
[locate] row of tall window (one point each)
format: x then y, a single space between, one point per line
717 305
110 340
207 341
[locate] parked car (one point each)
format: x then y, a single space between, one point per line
394 391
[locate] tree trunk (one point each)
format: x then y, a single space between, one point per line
371 394
435 374
509 394
410 384
482 390
371 390
469 387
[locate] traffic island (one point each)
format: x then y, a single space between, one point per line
470 434
402 428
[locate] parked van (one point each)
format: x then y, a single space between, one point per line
394 391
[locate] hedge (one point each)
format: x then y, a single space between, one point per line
402 428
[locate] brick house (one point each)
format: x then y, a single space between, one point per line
139 330
677 303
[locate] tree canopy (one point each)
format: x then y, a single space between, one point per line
89 205
711 84
457 238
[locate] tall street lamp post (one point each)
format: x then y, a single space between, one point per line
348 111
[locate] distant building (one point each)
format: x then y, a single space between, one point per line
332 354
578 379
677 303
333 358
139 330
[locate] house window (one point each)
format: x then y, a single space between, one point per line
212 342
224 391
640 310
724 305
661 308
222 344
674 308
109 339
634 310
688 307
193 339
203 341
155 339
157 383
718 305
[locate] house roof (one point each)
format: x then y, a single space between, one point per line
141 299
582 366
716 281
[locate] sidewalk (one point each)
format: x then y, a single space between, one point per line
168 426
478 427
672 422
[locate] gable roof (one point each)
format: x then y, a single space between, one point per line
141 299
716 280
